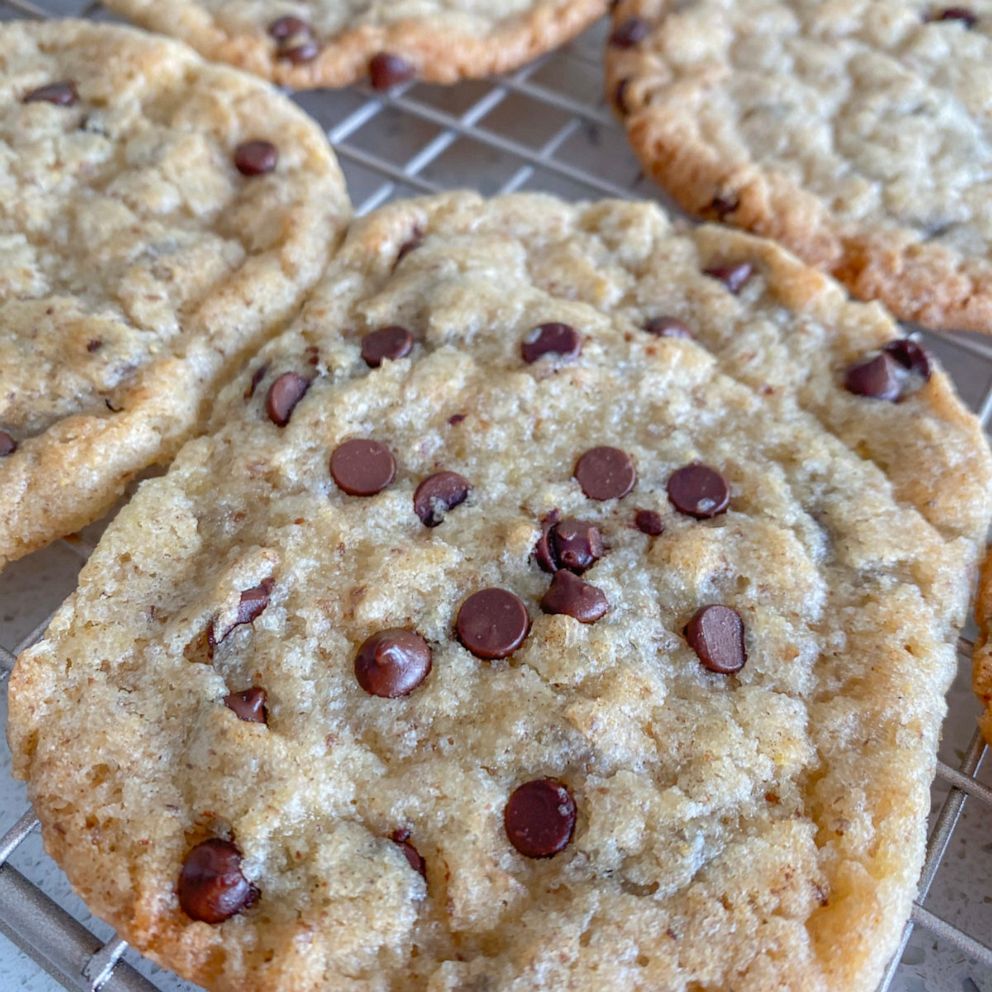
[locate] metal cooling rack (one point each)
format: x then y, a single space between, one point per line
545 128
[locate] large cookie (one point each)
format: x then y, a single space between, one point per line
158 217
856 132
562 602
336 42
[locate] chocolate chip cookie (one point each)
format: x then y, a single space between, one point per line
159 217
856 132
336 42
589 629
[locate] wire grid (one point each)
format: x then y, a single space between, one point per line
544 127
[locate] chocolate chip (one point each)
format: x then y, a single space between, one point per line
544 552
649 522
605 473
492 623
968 18
699 491
95 345
620 97
256 158
248 705
629 33
878 378
455 419
211 887
362 467
251 606
305 51
388 342
734 275
577 544
411 244
284 393
392 663
438 494
716 634
723 206
667 327
551 339
412 855
256 377
539 818
62 94
7 444
910 356
283 28
387 70
570 596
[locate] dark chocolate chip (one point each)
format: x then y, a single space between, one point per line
962 14
699 491
391 342
95 345
455 419
667 327
716 634
492 623
438 494
283 28
605 473
911 356
734 275
551 339
878 378
539 818
544 552
211 887
402 839
723 206
62 94
305 51
629 33
248 705
577 544
256 158
284 393
7 444
649 522
392 663
256 377
387 70
362 467
251 606
569 595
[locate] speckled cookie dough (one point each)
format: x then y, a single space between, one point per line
561 602
158 218
336 42
856 132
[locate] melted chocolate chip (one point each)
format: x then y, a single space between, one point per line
362 467
734 275
910 356
7 444
551 339
544 552
716 634
649 522
62 94
667 327
256 158
284 393
251 606
570 596
387 70
539 818
492 623
402 839
283 28
962 14
391 342
605 473
392 663
577 544
438 494
878 378
699 491
211 887
257 376
629 33
249 704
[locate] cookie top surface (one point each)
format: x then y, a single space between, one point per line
159 215
483 668
857 132
336 42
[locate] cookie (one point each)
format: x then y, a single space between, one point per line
563 601
336 42
856 132
160 216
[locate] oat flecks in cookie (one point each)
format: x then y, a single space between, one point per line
857 132
773 574
386 42
163 217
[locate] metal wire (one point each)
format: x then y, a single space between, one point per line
58 943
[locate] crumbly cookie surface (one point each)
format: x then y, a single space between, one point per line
856 132
332 42
138 261
757 820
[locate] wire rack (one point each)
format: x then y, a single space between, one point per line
545 128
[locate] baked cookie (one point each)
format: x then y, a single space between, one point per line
562 602
336 42
856 132
159 217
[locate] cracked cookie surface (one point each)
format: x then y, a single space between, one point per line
562 601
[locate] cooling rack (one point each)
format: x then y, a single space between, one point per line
544 128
